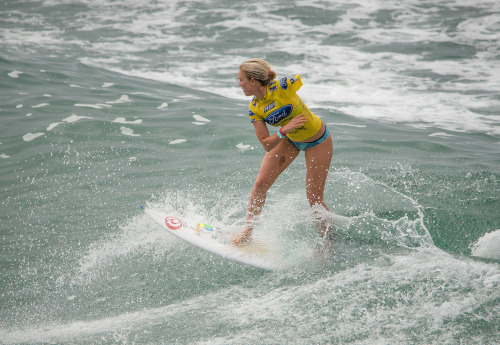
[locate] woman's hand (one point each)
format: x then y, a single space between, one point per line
296 122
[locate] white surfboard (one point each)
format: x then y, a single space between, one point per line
257 253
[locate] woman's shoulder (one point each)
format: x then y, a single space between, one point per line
290 82
287 84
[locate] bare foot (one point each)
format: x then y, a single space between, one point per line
326 247
242 239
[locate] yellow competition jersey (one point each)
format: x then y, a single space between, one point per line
281 104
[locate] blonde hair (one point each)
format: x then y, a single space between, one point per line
259 70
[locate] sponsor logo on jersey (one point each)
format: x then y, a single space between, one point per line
282 113
293 80
251 113
269 107
284 83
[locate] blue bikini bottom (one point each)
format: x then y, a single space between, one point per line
305 146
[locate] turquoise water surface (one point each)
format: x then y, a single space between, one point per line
108 105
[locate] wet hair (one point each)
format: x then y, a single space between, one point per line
259 70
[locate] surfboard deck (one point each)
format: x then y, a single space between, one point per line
258 253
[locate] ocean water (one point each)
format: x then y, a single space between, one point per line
106 105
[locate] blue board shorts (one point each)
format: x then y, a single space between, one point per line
305 146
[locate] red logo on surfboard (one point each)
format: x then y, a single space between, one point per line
173 223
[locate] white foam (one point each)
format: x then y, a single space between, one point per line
244 147
129 132
70 119
32 136
488 246
363 84
401 294
19 106
3 155
200 118
72 331
14 74
95 106
53 125
41 105
122 120
139 233
177 141
122 99
392 85
75 118
163 106
484 28
199 123
441 134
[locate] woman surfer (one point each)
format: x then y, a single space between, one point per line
276 103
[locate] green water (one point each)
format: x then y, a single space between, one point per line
413 187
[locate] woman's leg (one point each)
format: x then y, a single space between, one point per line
318 159
273 164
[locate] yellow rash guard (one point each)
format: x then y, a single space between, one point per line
281 104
